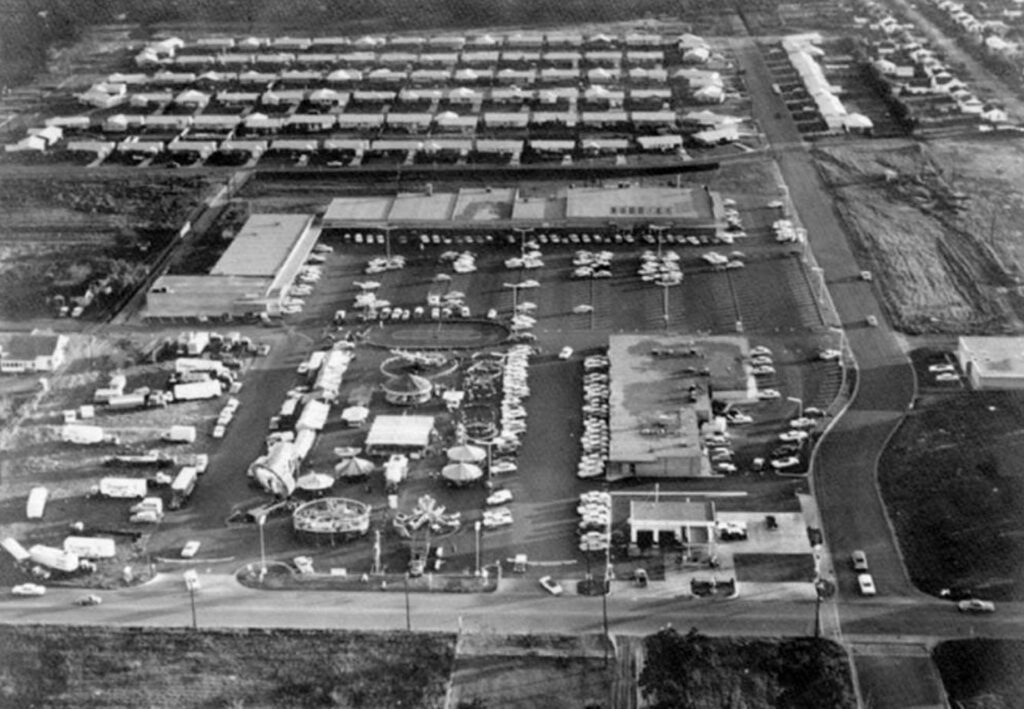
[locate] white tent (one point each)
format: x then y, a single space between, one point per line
400 431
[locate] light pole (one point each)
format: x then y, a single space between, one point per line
476 528
800 405
192 583
515 294
387 241
523 231
408 614
658 229
664 302
260 522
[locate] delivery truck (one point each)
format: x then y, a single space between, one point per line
122 488
90 547
36 505
179 434
183 486
53 558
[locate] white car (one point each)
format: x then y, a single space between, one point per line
775 204
791 436
830 355
190 549
726 468
939 368
28 589
737 418
947 377
761 361
500 517
769 394
866 585
551 586
760 351
802 422
499 497
565 353
323 249
763 371
975 605
219 431
790 461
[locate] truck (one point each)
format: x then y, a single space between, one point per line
127 402
198 364
183 486
210 389
122 488
179 434
151 509
83 435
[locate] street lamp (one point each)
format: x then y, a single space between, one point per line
658 229
523 231
387 241
260 522
476 528
800 405
515 294
192 584
408 614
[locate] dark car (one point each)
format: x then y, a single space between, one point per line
784 451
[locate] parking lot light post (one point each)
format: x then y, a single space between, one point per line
658 229
260 522
408 614
191 583
387 241
515 295
476 528
522 231
800 405
664 303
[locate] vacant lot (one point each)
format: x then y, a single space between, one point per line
63 237
696 671
79 667
938 224
982 674
952 481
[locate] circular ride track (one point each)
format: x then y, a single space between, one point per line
447 335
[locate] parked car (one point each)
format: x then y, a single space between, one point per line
565 353
794 435
499 497
190 549
786 463
551 586
859 560
866 585
28 589
975 605
872 321
769 394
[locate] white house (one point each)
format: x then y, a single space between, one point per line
32 352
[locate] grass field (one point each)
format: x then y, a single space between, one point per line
774 568
982 673
80 667
952 481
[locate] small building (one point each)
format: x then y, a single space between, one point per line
399 433
673 524
21 353
992 362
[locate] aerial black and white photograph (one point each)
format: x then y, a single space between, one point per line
512 354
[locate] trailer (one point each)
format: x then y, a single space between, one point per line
53 558
179 434
198 364
123 488
195 391
275 471
36 505
183 486
85 435
90 547
13 547
127 402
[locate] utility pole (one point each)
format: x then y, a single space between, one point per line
408 615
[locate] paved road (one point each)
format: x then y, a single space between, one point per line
846 463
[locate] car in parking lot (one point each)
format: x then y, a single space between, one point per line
975 605
760 351
786 463
794 435
769 394
28 589
941 367
499 497
866 585
947 377
736 417
551 586
785 450
218 431
859 560
565 353
190 549
829 355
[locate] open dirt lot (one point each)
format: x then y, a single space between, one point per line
952 482
96 667
982 673
938 226
63 235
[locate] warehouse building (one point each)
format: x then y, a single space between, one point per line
251 277
992 362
